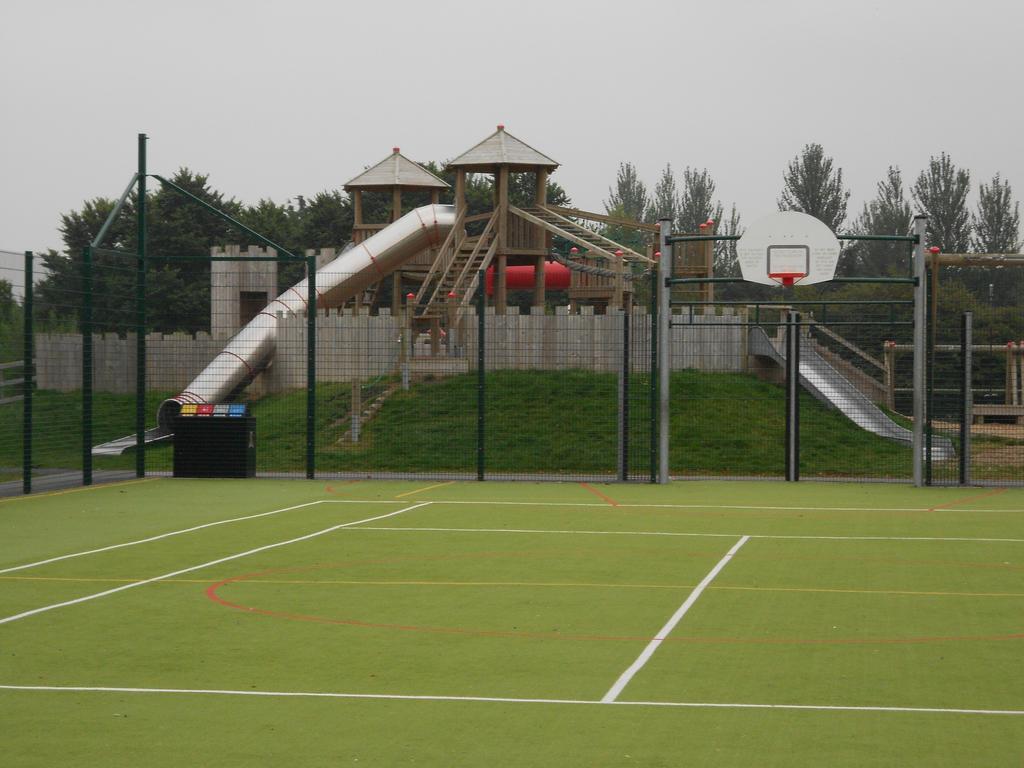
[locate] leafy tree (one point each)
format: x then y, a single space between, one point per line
997 220
997 230
888 214
697 201
666 196
940 193
726 263
811 185
629 196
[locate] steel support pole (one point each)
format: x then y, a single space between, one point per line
86 331
664 345
481 357
653 394
920 330
311 368
140 314
966 395
624 370
28 374
792 397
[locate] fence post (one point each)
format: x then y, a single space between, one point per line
653 426
919 330
311 367
140 315
792 396
86 331
624 400
28 374
966 395
664 345
481 308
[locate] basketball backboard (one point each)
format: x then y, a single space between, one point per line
786 248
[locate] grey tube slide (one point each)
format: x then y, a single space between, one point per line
836 391
343 278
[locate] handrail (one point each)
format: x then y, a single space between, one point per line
848 344
472 256
590 216
449 243
635 255
471 288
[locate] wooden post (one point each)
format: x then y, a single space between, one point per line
1011 374
435 196
357 216
890 375
396 204
541 237
357 409
460 191
501 205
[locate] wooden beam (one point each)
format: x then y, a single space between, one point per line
576 213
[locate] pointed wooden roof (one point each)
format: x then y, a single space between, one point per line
396 170
501 148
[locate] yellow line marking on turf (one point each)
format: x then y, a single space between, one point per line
76 490
604 585
428 488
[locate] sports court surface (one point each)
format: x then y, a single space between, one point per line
236 623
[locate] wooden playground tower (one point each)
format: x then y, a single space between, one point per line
508 236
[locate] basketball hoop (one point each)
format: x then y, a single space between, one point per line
787 278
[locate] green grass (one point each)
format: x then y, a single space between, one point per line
560 422
846 595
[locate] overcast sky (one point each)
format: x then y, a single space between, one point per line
278 99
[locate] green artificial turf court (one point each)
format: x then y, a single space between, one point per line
236 623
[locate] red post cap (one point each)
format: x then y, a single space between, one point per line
657 254
501 126
451 294
619 253
704 225
934 249
574 249
711 222
396 150
410 295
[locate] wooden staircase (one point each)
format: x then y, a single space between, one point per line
456 269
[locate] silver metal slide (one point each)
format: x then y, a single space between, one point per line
836 391
249 351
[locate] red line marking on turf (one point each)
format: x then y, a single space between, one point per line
965 499
330 488
212 593
600 495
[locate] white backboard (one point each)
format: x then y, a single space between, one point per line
789 243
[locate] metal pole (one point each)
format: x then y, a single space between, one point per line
86 330
101 235
920 329
28 374
481 304
653 426
311 367
140 314
664 345
793 396
966 395
624 400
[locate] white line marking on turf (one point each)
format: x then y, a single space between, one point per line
665 631
674 533
624 505
218 561
502 699
156 537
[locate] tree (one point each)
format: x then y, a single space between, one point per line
696 202
811 185
997 220
726 263
888 214
666 196
940 193
997 230
629 198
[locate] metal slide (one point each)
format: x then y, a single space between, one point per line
249 351
836 391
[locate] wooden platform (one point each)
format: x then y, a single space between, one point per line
980 412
